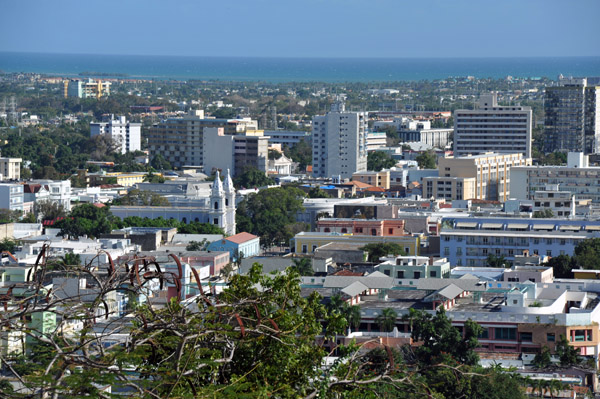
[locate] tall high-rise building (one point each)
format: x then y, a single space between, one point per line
127 135
339 141
492 128
181 140
572 121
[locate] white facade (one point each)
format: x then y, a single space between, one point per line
10 168
490 127
59 190
217 151
124 133
11 196
339 143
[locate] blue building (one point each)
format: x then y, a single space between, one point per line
246 244
469 241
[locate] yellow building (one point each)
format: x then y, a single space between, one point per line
491 172
122 179
307 242
375 179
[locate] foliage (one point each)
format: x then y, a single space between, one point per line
9 244
567 354
496 261
378 250
49 210
561 266
303 266
546 213
427 160
160 163
317 192
152 178
442 342
386 319
274 154
300 153
377 160
252 177
199 228
542 359
137 197
8 216
86 220
183 228
197 245
270 214
587 254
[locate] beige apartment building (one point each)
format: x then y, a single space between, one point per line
489 173
10 168
375 179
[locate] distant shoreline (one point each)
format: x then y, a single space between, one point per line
297 70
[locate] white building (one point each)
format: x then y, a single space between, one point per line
10 168
127 135
339 143
59 191
492 128
11 196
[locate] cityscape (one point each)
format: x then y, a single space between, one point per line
253 222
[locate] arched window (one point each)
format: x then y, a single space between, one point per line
216 204
344 230
184 220
226 201
327 230
196 220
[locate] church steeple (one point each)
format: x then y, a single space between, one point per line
217 188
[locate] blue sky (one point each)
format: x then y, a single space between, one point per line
304 28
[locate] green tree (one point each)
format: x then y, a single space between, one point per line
71 259
86 220
152 178
199 228
317 192
542 359
300 153
197 245
252 177
9 244
353 316
567 354
562 266
160 163
380 249
496 261
427 160
587 254
386 319
303 266
546 213
270 214
377 160
49 210
8 216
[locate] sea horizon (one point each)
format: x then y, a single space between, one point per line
295 69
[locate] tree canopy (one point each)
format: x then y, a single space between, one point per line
137 197
252 177
427 160
377 250
377 160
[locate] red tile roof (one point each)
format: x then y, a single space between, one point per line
241 238
346 272
32 188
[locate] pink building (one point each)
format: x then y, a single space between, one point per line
362 227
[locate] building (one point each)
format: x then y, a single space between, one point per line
181 140
491 172
89 88
561 203
577 178
418 131
307 242
469 241
243 245
572 116
375 179
287 137
376 140
414 267
339 143
492 128
235 152
11 196
281 166
367 227
126 135
10 168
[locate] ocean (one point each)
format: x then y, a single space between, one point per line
276 70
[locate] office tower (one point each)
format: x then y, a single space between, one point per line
339 143
492 128
127 135
572 121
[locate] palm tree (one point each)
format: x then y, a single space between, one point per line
387 319
554 387
303 266
336 303
353 316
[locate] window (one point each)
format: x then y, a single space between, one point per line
505 333
386 272
344 230
327 230
550 337
400 274
373 232
390 231
485 333
417 274
549 252
304 249
433 273
446 251
526 337
216 221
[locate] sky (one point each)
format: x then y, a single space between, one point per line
303 28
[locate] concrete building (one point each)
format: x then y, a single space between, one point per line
127 135
243 244
492 128
287 137
491 173
375 179
10 168
367 227
572 116
11 196
58 191
414 267
339 143
89 88
280 166
577 178
234 152
376 140
181 140
418 131
469 241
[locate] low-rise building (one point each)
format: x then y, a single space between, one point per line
307 242
414 267
373 178
240 245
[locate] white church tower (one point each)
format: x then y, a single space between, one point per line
229 204
222 204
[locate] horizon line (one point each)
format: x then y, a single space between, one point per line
303 57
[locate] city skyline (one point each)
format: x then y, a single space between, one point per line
310 29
